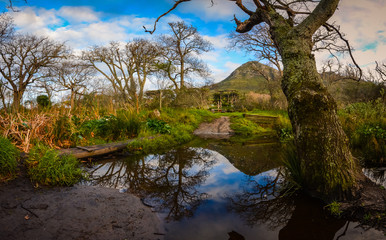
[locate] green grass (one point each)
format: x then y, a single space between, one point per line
9 155
47 167
156 137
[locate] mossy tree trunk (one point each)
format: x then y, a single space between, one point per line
322 146
329 169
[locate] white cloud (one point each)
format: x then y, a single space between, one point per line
78 14
364 24
34 20
220 74
219 41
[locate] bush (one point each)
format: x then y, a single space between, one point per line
46 166
158 126
8 158
365 125
43 101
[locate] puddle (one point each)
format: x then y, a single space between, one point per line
222 191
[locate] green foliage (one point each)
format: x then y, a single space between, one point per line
63 128
158 126
365 125
181 126
123 125
334 208
9 155
43 101
283 128
246 127
46 166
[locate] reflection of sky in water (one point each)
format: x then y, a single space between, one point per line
212 219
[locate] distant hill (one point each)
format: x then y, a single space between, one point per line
246 78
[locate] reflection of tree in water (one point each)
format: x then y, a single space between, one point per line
298 216
259 202
170 180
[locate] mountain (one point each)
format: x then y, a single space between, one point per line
247 78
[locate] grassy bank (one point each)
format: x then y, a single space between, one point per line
172 128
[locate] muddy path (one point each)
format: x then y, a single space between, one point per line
79 212
219 128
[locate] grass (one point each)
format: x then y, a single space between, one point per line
294 173
174 128
47 167
9 155
365 125
334 208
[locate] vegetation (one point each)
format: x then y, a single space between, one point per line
365 125
334 208
174 128
8 159
47 167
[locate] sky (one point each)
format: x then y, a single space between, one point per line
84 23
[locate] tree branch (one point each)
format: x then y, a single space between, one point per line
171 9
348 47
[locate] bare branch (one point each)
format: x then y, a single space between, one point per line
171 9
348 48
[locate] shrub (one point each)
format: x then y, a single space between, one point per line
365 125
8 158
46 166
158 126
43 101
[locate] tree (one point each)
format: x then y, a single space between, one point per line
23 59
322 147
258 42
180 50
125 66
73 74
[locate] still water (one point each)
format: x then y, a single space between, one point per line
218 190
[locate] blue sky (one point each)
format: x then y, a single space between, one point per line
82 23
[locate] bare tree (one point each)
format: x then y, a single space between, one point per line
23 59
125 66
145 55
322 146
73 74
258 42
181 48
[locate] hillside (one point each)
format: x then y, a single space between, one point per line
246 78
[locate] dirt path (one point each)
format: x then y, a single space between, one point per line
81 212
219 128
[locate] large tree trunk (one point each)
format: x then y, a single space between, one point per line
329 169
17 96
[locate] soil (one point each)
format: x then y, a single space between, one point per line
79 212
369 207
219 129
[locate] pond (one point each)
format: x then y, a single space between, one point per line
221 190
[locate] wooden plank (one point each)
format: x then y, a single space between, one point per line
95 150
